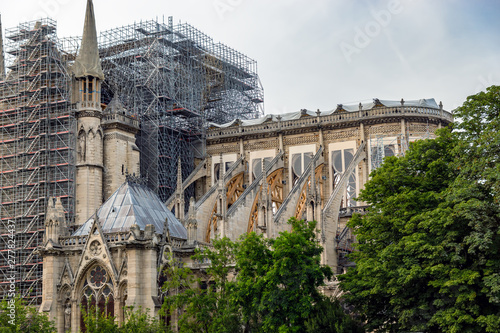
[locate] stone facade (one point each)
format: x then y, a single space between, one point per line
111 262
121 154
290 150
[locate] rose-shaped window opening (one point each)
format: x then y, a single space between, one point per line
98 277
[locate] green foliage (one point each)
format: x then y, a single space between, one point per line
429 249
278 280
204 310
328 316
96 321
27 318
273 287
140 321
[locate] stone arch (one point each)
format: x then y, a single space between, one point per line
121 301
64 307
275 189
165 259
96 288
235 188
300 208
80 275
212 222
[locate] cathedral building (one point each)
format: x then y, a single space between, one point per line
254 175
307 164
113 257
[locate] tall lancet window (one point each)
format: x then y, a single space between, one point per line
340 162
96 296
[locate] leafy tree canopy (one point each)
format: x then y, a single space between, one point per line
429 248
205 300
257 285
278 280
15 316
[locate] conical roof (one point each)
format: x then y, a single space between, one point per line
134 204
116 106
87 61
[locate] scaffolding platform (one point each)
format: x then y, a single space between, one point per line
37 127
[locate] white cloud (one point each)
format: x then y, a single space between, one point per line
428 49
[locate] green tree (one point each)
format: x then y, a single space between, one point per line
23 318
255 285
328 316
140 321
206 301
277 282
429 247
137 320
97 321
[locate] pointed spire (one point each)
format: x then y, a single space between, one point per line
192 224
179 175
221 171
2 60
87 62
116 106
55 220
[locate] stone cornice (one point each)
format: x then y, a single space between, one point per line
119 136
120 126
88 114
249 133
91 165
121 122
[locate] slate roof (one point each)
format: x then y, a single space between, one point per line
133 204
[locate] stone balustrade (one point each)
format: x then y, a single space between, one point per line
116 117
177 242
88 105
81 240
73 240
337 117
348 211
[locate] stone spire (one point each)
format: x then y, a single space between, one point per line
55 220
2 60
87 62
179 175
179 193
192 223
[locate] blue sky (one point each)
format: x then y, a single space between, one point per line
316 54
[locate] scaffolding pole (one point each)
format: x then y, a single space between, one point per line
36 147
176 79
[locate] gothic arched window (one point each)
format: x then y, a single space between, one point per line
97 293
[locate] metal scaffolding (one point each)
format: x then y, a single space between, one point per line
176 78
37 140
